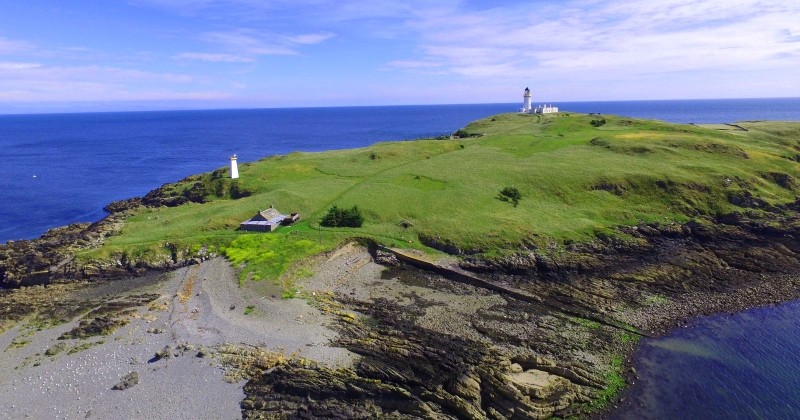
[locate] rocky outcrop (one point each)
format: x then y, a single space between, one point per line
730 242
408 372
41 260
445 245
50 258
546 351
127 381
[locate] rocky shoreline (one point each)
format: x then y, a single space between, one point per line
690 271
51 257
432 347
681 272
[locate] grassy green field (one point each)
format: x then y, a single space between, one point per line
577 180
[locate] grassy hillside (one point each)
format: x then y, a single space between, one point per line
579 175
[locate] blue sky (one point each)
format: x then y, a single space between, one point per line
86 55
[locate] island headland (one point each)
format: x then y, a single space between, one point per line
506 271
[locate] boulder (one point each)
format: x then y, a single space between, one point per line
127 381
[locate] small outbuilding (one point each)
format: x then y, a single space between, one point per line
267 220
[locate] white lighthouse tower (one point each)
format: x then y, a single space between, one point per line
526 104
234 168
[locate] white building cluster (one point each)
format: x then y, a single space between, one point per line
544 109
539 109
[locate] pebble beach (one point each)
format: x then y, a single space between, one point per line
169 344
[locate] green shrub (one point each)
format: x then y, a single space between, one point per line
510 194
289 293
597 141
598 122
339 217
197 193
219 187
238 192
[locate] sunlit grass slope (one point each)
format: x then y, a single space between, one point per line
577 179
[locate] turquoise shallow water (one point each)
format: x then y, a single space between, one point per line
741 366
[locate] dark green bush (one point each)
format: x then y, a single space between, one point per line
339 217
510 194
239 192
219 187
197 193
598 122
461 133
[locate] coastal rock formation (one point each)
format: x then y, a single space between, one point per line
524 359
408 371
51 257
428 352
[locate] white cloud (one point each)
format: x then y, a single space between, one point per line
96 93
309 39
245 45
10 65
246 42
414 64
26 82
588 39
216 58
625 48
317 10
10 46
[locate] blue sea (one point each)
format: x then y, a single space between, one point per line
63 168
741 366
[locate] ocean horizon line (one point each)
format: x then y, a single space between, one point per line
166 110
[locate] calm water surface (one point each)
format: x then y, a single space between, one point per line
741 366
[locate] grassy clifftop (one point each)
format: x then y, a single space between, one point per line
579 176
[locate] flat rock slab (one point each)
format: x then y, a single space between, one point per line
538 383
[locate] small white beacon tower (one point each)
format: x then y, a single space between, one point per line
234 168
526 104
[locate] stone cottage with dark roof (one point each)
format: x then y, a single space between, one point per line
264 221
